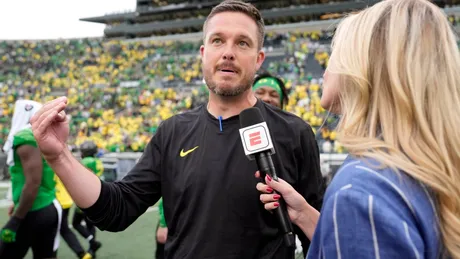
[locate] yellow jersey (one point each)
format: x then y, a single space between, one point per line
62 195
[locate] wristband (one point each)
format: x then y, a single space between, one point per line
8 233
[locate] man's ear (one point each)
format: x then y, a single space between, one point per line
260 59
202 51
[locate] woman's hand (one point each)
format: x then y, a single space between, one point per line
296 204
300 212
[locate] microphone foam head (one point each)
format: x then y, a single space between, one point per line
250 117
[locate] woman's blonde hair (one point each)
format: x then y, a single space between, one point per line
399 68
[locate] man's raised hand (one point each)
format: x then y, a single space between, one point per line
51 128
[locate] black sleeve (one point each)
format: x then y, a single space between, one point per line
120 203
310 184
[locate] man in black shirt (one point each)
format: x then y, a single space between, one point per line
196 160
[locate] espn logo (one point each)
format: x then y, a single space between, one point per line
256 138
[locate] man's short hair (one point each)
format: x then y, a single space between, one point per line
239 6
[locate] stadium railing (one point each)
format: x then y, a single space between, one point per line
117 165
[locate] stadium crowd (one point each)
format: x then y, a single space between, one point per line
120 91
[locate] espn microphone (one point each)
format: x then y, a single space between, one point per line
258 145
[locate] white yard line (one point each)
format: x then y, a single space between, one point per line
5 184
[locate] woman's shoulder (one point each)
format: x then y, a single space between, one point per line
396 189
370 176
392 212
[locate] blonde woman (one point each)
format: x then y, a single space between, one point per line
394 75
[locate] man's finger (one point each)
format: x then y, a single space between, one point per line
47 106
48 119
257 174
57 108
61 117
37 121
263 188
43 123
266 198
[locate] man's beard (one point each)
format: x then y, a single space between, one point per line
228 91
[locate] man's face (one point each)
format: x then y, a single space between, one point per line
230 55
268 95
331 84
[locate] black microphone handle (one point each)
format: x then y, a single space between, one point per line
265 165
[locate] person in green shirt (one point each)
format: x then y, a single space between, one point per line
36 214
271 89
88 151
162 232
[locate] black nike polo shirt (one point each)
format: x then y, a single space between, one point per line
211 204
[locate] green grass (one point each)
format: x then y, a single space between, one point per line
138 241
3 192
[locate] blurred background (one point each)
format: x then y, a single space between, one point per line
127 65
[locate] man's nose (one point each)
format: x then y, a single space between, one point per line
266 98
229 53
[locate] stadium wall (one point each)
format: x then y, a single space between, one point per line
279 28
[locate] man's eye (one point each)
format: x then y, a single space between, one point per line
217 41
243 43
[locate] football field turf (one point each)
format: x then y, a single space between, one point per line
138 241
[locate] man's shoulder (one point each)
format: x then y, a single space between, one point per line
27 132
24 136
182 118
88 161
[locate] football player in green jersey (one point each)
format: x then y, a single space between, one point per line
271 89
36 214
162 233
88 151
